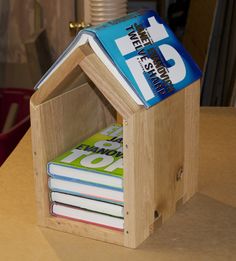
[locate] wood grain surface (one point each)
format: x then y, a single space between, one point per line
202 229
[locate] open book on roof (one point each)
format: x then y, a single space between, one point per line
142 53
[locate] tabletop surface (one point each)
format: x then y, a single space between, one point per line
202 229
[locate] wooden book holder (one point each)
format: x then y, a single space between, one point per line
160 144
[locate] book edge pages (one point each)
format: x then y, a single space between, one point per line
64 186
79 40
80 202
95 177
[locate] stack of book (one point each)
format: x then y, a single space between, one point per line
86 183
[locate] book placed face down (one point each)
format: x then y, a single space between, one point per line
85 183
142 53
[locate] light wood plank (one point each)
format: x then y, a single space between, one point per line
86 230
191 150
154 153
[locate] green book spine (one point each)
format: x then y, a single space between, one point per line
98 159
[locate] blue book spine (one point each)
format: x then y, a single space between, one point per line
75 180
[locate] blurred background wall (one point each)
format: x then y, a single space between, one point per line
33 33
19 21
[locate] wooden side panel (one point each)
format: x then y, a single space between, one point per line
169 154
139 175
59 124
153 155
191 156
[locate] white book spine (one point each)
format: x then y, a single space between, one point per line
93 205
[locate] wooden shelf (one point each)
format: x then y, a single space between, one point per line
160 144
85 230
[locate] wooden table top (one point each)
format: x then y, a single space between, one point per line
202 229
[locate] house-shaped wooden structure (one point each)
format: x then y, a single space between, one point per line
160 144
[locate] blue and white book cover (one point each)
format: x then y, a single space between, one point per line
142 53
148 55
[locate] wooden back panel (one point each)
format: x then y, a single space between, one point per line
59 124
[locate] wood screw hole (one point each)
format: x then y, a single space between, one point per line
156 214
179 174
